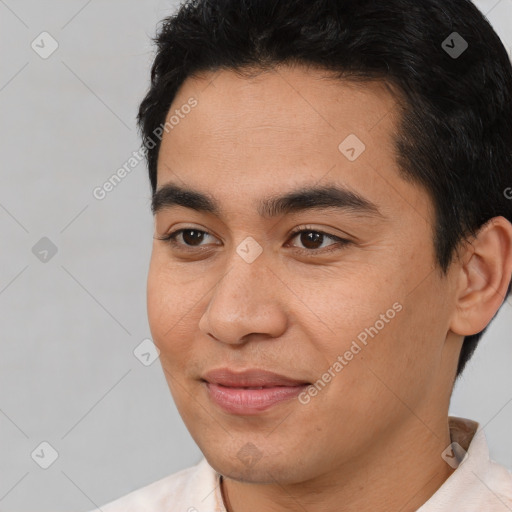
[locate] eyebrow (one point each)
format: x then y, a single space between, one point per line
302 199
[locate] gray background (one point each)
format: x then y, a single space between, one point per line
68 374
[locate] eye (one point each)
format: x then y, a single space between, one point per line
191 237
313 240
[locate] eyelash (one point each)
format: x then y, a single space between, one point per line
170 238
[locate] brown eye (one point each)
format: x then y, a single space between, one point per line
192 236
312 241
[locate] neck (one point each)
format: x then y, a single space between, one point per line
400 472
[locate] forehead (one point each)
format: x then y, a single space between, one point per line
283 129
298 97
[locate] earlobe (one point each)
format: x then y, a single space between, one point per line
485 274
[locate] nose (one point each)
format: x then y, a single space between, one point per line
246 302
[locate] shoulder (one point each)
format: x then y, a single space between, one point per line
179 491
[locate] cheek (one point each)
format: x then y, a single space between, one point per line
357 305
169 301
160 304
399 361
366 318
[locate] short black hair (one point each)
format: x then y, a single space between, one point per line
455 132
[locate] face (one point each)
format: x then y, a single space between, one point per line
336 293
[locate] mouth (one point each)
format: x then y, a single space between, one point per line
251 391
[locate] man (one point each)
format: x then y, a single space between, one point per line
331 193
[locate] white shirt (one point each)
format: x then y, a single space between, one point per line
478 484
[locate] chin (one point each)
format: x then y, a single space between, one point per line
259 469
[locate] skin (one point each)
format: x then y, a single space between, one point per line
372 438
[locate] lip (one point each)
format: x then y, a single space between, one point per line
250 378
235 392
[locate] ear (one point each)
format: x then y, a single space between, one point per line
484 277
